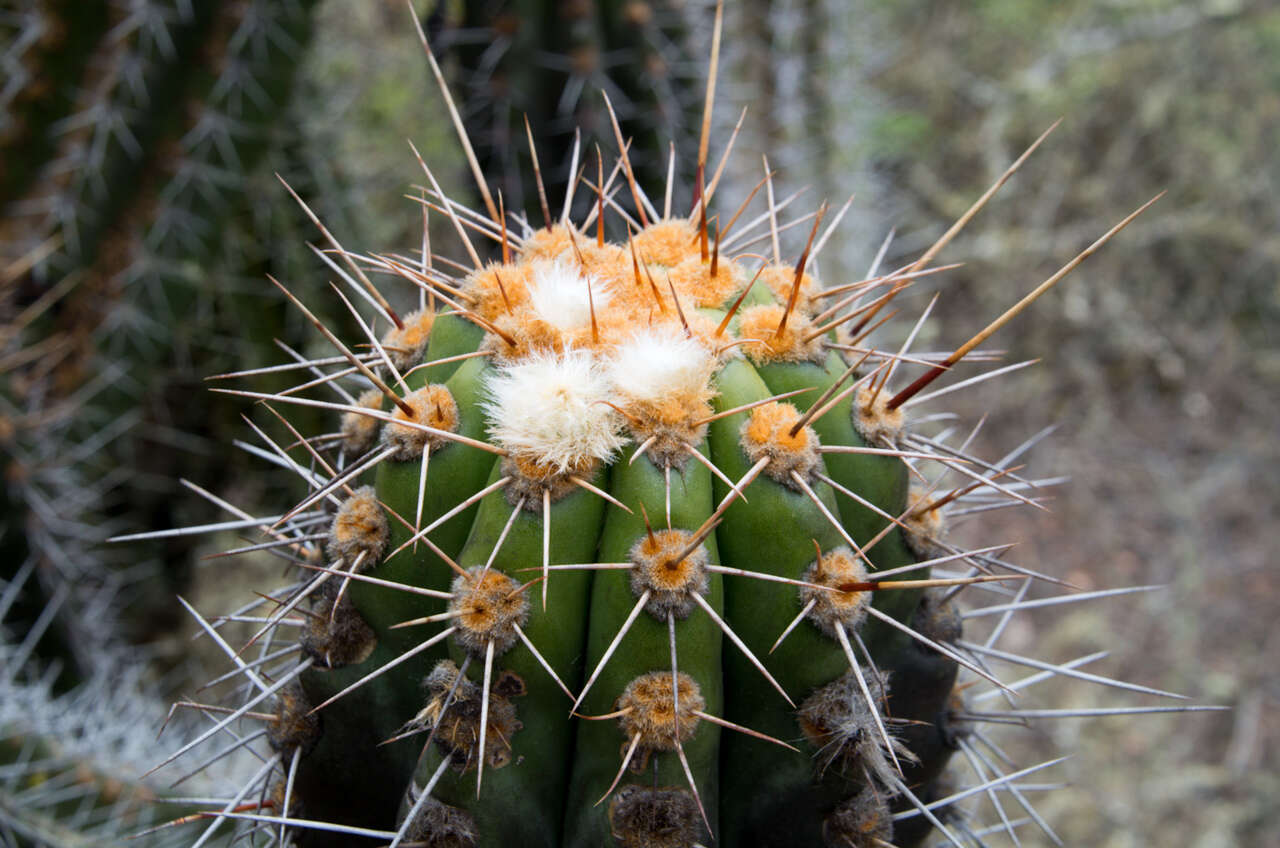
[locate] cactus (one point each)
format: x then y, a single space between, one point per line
542 62
129 135
627 540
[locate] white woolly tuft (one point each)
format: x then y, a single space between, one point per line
658 362
558 294
547 407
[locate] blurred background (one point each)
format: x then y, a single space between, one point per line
140 214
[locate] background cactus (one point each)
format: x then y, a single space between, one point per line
130 137
546 62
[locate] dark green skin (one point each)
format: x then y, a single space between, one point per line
645 648
348 775
465 469
451 335
767 793
523 803
755 793
882 480
921 683
348 778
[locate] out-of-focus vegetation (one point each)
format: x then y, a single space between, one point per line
1163 358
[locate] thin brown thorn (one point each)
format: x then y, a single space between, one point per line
715 252
880 303
600 197
724 157
490 326
800 263
207 814
453 113
704 139
537 173
728 316
931 375
626 162
869 330
577 251
773 212
351 357
932 582
306 444
870 282
448 208
961 491
432 280
679 310
373 291
615 714
373 339
627 415
635 259
653 288
875 304
591 305
812 411
506 301
648 528
506 249
442 360
702 227
742 208
876 385
720 351
980 202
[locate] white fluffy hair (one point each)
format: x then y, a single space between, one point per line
660 361
558 294
547 407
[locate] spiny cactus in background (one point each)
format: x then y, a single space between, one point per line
129 133
545 61
642 539
70 761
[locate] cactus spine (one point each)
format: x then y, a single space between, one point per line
545 62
